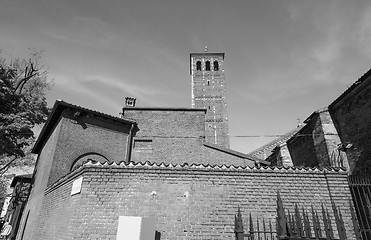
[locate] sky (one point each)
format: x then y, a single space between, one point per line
284 59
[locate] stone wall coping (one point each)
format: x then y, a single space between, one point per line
199 168
164 109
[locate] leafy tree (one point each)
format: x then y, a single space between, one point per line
23 85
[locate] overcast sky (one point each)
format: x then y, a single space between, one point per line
284 59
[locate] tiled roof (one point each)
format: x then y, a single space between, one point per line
272 144
236 153
57 110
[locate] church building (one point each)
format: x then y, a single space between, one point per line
171 165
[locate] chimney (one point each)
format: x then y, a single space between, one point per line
130 102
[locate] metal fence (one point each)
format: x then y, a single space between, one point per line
297 225
360 187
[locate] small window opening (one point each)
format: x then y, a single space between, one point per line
216 66
142 143
208 83
207 65
198 65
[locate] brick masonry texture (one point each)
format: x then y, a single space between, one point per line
352 117
88 134
69 140
302 149
188 203
209 92
175 136
34 205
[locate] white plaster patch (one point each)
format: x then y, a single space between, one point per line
76 186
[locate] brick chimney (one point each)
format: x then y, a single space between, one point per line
130 102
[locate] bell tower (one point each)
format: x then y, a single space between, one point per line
209 92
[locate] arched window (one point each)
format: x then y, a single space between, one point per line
207 66
198 65
216 66
93 156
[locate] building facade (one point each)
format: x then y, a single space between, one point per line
173 165
93 168
209 92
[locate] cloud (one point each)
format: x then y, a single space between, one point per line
362 35
146 95
84 31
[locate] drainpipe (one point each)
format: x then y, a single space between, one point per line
130 144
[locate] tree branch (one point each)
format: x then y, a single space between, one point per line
3 169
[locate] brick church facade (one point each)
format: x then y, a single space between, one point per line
173 165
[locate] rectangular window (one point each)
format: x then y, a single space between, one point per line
142 144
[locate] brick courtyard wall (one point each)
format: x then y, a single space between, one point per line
175 136
188 202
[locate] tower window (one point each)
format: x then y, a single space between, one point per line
198 65
216 66
208 83
207 66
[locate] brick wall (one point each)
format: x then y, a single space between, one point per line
352 116
175 136
209 92
302 148
88 134
58 208
188 203
69 140
34 205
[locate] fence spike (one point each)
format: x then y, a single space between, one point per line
270 228
238 226
315 226
339 222
281 218
318 225
251 227
306 223
330 225
325 222
343 231
299 223
289 224
354 220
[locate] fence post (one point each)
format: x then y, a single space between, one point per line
238 225
355 222
339 222
281 219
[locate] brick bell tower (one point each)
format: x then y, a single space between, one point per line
209 92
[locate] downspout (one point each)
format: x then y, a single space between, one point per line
130 144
